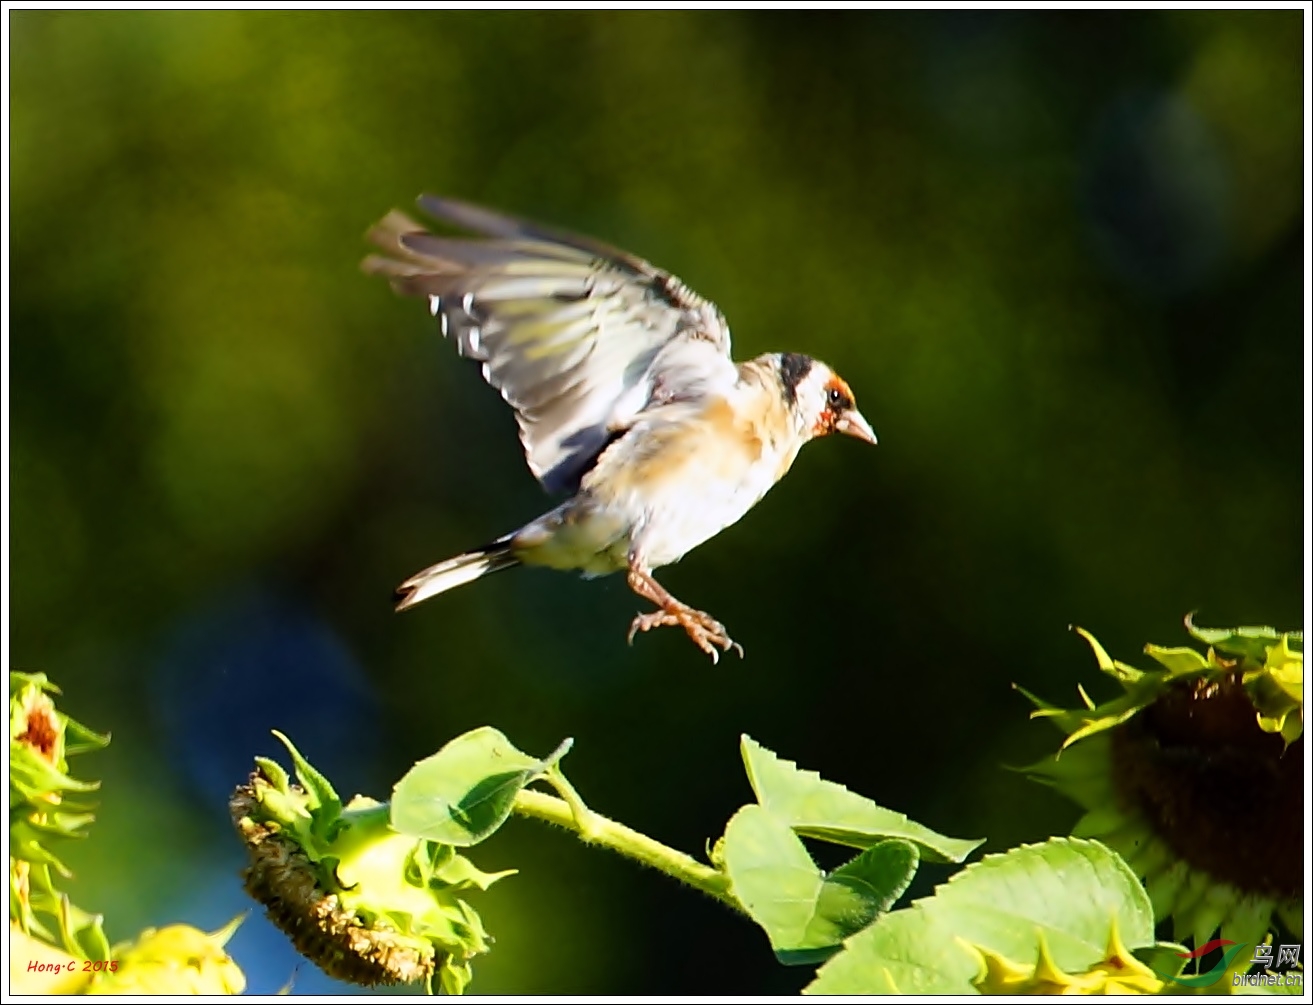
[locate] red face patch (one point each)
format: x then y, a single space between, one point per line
838 400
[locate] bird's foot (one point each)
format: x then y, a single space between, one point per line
706 632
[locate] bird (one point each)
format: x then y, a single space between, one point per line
627 400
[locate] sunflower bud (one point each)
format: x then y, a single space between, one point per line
365 903
43 810
177 960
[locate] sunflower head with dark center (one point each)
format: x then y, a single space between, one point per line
1226 797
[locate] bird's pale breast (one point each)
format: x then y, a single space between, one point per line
685 473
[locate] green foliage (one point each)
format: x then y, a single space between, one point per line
826 810
1068 894
1066 916
462 794
321 798
465 791
1271 665
806 913
1252 642
377 892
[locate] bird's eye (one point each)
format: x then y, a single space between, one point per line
834 398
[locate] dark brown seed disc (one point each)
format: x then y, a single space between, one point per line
1226 797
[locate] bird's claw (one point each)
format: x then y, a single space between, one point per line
706 632
646 622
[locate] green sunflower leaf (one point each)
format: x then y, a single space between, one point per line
907 952
806 913
816 808
465 791
1069 894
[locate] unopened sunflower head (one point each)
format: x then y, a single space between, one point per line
177 960
45 807
365 903
41 739
1194 774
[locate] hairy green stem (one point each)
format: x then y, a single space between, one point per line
593 828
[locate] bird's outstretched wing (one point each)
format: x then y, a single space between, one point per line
578 337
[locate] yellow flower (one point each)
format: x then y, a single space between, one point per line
1118 973
177 960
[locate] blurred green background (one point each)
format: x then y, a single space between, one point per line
1058 257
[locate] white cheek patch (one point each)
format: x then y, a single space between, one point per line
811 396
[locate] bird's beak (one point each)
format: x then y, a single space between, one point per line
852 424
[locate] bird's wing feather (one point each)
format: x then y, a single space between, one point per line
578 337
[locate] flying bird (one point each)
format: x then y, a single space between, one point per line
627 400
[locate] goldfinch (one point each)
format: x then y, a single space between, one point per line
627 400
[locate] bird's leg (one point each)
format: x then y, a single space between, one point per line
706 632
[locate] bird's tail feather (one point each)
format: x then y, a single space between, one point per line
455 572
